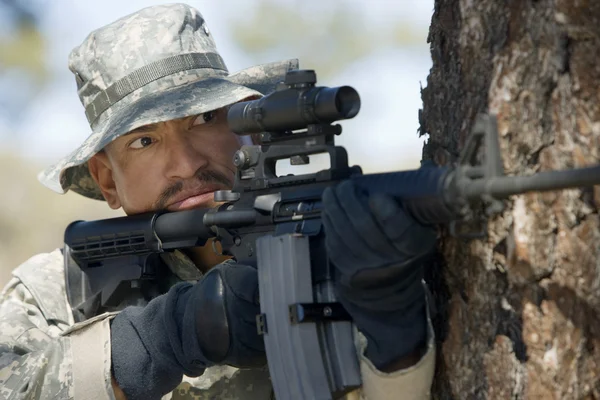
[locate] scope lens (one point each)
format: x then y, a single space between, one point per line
347 102
337 103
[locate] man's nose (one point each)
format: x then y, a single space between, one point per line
184 159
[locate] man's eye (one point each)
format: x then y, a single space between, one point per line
142 142
205 117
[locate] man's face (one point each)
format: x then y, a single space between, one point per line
173 165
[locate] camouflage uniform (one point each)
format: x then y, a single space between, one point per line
45 355
158 64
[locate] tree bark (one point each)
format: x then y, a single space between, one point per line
519 311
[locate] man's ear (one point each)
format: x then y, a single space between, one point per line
101 171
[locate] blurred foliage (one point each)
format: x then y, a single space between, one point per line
337 30
23 66
25 49
33 218
23 10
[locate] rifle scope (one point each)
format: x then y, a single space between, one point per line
295 104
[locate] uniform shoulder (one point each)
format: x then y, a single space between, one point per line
43 275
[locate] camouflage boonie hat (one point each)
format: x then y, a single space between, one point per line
157 64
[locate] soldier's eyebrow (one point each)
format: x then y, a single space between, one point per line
153 127
143 128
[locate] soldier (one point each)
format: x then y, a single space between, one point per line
156 92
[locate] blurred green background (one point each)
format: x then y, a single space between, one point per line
377 46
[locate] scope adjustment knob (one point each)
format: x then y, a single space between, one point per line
241 159
299 78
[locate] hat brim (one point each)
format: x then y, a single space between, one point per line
197 97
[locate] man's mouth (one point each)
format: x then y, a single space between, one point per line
204 198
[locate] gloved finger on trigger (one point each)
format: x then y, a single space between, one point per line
250 340
248 318
242 280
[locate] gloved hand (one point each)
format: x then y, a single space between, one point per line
379 253
184 331
224 306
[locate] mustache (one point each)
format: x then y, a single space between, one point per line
205 177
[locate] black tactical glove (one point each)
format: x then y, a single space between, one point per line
189 328
379 252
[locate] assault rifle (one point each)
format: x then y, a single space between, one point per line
273 222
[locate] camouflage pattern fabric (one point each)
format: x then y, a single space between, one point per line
116 55
34 362
181 265
225 383
44 355
36 345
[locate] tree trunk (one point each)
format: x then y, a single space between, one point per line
518 311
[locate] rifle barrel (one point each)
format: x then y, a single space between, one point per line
504 186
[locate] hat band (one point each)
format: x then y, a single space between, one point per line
149 73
